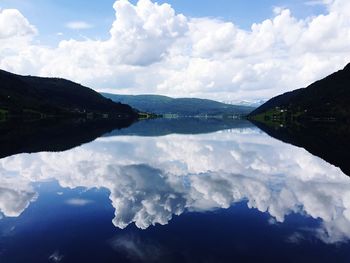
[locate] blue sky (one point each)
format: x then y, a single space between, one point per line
50 16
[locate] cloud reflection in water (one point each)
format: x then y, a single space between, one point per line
150 179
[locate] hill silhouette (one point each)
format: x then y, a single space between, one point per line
325 100
27 95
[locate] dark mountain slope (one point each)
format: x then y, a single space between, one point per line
326 99
53 96
183 106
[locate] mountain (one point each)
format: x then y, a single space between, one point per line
35 96
183 107
325 100
250 103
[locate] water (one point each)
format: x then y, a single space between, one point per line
174 191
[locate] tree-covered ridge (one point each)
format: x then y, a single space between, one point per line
182 106
27 95
325 100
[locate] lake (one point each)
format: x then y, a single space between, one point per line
183 190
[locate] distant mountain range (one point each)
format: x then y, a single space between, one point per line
37 97
325 100
183 106
249 103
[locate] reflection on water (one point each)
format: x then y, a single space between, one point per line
239 178
52 135
330 141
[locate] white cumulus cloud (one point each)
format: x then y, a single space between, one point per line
153 49
79 25
14 24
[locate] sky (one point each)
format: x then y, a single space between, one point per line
225 50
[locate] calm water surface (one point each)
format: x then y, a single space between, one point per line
146 194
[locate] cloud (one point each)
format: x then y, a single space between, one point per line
191 173
56 257
152 49
77 25
143 34
16 195
14 24
144 197
296 238
78 202
16 41
136 248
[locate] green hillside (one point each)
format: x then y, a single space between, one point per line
27 96
325 100
183 106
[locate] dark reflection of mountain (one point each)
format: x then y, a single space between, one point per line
330 142
60 135
161 127
52 135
